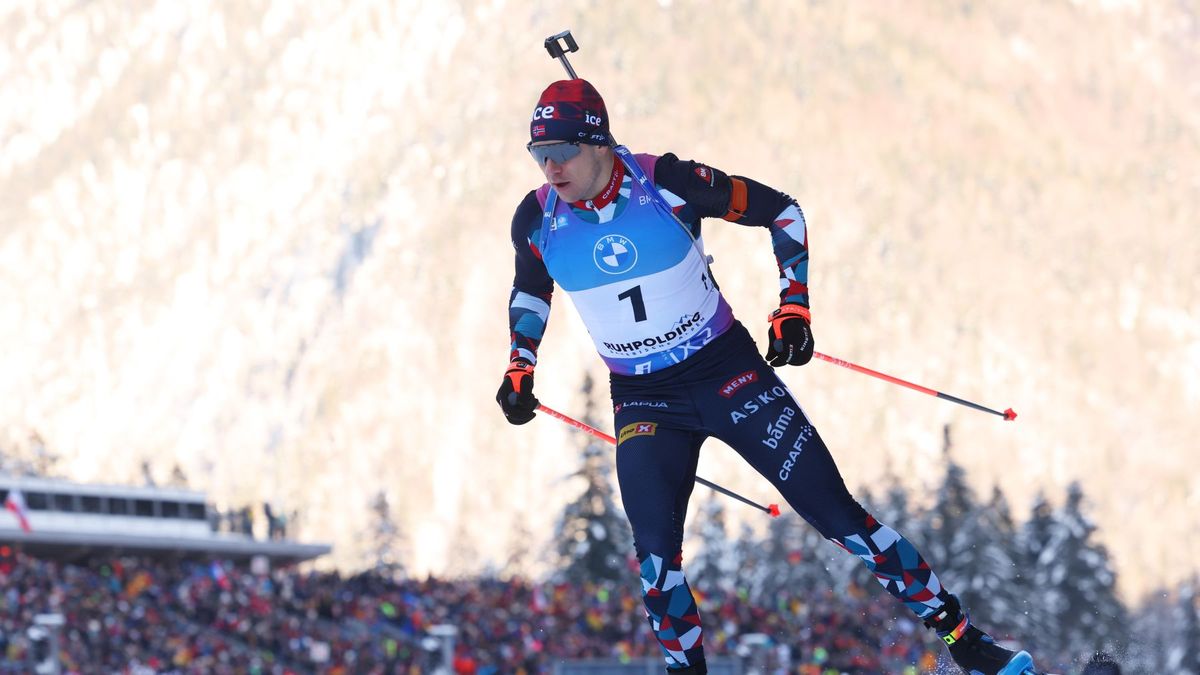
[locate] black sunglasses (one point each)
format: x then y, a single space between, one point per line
559 152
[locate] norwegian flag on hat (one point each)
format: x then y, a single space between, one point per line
570 110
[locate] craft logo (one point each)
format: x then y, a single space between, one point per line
614 254
636 429
727 390
806 434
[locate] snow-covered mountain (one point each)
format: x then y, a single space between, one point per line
268 242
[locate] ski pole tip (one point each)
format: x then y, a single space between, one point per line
1009 415
773 509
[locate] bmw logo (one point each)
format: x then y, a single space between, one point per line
614 254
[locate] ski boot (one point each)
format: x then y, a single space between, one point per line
974 650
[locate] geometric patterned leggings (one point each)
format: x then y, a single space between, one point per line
675 619
661 426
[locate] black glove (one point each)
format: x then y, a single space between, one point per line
790 339
516 393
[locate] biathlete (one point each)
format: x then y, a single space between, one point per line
620 233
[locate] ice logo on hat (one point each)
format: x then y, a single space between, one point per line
615 254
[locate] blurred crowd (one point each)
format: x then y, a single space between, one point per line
138 615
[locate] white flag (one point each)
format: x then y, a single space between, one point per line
16 504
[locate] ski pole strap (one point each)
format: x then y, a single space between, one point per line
784 313
789 310
517 369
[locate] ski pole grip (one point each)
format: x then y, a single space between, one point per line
558 51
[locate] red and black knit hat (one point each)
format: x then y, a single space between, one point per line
570 110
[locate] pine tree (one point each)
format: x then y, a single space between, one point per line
748 551
714 569
386 539
1166 632
894 510
985 551
594 541
945 539
1189 610
1034 617
1156 646
796 562
1075 579
519 552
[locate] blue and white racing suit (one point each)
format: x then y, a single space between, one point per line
683 369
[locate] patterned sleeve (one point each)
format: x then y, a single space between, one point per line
529 302
711 193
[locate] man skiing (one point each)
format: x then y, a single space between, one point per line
621 234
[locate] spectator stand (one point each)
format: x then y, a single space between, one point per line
73 522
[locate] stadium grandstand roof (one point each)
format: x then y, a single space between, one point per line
60 519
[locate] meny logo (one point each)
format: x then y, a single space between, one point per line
727 390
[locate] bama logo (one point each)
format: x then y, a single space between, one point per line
727 390
614 254
776 429
636 429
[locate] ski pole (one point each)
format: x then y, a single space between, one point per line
1008 414
773 509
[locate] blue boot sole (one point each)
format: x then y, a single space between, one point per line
1021 664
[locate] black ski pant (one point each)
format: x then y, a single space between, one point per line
727 391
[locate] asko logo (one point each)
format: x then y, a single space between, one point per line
729 388
543 113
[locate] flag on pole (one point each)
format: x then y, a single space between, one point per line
16 503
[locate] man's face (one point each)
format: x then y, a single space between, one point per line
582 176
